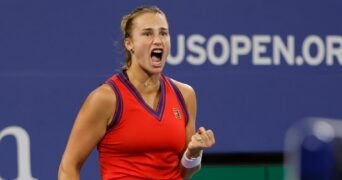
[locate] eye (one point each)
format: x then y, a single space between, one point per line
147 33
164 33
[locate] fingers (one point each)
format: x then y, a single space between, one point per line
204 137
201 140
201 130
211 136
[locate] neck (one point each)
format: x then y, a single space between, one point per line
144 82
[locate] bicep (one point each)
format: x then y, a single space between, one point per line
89 127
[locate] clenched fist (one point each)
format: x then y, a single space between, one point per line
201 140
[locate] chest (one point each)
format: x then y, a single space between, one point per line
142 128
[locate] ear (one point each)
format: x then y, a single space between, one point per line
128 44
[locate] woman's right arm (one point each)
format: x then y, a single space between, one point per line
88 129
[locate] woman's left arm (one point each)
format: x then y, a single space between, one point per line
196 141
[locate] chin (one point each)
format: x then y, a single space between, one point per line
156 70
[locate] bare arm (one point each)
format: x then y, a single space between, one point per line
88 129
196 141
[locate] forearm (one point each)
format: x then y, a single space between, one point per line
187 173
68 173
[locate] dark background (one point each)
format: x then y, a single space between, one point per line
54 53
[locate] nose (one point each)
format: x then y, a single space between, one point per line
157 40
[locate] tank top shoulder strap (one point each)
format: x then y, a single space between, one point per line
119 105
178 94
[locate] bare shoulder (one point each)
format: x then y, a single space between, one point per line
103 91
102 97
186 90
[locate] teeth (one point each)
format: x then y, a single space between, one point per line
157 54
157 51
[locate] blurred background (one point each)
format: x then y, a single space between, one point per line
257 67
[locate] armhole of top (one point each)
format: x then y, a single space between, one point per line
180 99
118 108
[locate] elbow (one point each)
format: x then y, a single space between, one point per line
62 172
66 172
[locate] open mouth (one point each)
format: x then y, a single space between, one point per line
157 54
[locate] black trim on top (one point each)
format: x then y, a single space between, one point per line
119 105
243 158
180 98
158 113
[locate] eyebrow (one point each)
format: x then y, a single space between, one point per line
151 29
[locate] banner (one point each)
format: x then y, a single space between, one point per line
257 67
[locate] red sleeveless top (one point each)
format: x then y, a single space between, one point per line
143 143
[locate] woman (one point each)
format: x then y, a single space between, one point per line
142 122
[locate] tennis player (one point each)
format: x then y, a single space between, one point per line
141 121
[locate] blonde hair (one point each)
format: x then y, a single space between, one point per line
127 23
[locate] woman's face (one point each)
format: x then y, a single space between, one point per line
150 41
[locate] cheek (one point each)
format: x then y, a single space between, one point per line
167 40
168 43
141 46
168 46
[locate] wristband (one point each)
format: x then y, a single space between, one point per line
193 162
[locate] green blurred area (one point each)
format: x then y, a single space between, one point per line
239 172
